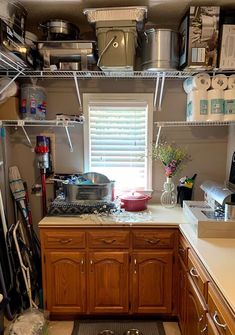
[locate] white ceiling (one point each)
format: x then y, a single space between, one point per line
164 13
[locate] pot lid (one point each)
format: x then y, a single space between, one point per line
134 196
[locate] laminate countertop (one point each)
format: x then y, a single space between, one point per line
217 254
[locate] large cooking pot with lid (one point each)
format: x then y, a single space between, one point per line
57 30
134 202
160 50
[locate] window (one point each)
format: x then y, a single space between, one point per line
118 138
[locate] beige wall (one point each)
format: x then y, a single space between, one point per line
207 145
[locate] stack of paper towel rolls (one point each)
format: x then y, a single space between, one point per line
210 99
229 100
197 97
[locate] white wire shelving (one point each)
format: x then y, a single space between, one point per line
162 124
42 123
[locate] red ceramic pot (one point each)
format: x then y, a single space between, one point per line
134 202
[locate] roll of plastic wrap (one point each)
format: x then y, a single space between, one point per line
197 106
200 81
219 82
231 82
215 105
229 105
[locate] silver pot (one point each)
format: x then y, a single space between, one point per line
160 50
57 29
14 15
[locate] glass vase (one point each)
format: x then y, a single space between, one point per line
169 197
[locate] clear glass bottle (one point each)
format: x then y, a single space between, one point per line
169 197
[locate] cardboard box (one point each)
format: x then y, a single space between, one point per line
199 30
227 48
9 110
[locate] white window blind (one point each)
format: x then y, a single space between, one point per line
118 135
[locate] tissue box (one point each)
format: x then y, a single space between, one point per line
199 31
9 110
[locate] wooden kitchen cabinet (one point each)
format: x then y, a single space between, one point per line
64 282
195 310
108 270
152 282
152 270
182 296
108 279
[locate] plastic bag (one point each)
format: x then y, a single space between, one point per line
30 322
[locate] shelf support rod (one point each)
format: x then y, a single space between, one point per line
77 90
68 136
20 123
158 136
13 79
161 91
156 90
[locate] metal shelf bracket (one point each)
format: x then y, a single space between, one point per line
21 124
68 135
161 91
156 90
158 136
78 91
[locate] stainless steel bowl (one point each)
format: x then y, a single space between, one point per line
133 331
96 178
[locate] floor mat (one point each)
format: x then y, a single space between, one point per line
119 327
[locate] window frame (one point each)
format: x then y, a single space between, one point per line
136 98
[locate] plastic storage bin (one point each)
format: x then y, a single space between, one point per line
116 44
33 102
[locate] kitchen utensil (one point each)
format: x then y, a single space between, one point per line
57 30
103 191
160 50
133 332
134 201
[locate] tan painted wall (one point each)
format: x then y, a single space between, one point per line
207 145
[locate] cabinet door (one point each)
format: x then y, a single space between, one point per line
195 310
152 282
182 296
65 282
108 282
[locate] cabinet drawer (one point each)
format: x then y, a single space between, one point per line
222 316
63 239
183 249
153 239
197 273
108 239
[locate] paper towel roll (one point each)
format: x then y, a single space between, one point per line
219 82
229 105
231 82
197 106
200 81
215 105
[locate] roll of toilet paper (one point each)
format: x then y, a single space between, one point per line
219 82
215 105
200 81
229 105
197 106
231 82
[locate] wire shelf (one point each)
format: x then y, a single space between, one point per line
99 74
193 123
37 123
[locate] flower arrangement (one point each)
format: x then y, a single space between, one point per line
171 157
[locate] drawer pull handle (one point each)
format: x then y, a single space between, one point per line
215 318
108 241
193 273
153 241
65 241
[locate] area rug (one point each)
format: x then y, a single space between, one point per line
119 327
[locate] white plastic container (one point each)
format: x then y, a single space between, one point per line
33 102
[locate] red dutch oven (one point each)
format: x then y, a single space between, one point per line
134 202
